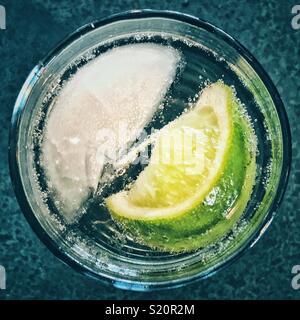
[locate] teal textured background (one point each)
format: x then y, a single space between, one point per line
264 27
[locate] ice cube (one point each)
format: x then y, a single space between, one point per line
106 104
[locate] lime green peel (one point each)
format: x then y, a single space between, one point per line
199 179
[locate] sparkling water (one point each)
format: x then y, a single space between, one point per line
148 81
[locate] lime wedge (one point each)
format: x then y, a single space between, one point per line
198 180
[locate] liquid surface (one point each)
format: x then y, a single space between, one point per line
148 96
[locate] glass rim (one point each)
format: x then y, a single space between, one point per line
28 87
